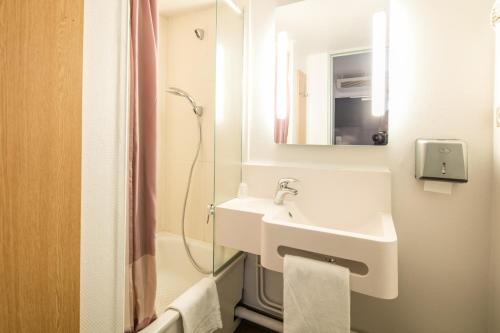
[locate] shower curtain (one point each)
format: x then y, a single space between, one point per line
142 165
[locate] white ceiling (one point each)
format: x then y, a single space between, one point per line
171 7
329 25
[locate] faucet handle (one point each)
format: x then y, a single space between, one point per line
283 182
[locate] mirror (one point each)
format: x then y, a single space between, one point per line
331 72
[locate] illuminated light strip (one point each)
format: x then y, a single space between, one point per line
282 75
379 64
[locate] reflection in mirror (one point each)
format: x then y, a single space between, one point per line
331 72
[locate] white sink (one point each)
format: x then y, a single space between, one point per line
332 227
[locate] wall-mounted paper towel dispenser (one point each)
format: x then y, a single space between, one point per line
443 160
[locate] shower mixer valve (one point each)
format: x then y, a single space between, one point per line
210 212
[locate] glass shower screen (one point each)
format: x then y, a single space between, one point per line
229 110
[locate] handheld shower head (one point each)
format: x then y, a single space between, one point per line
198 110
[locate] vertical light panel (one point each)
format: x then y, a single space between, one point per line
379 63
496 22
281 75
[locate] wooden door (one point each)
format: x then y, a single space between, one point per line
40 149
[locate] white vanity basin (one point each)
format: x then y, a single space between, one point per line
356 234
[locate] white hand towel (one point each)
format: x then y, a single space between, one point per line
316 297
199 307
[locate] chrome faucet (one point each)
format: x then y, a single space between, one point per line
282 190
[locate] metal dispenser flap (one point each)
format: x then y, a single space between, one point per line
444 160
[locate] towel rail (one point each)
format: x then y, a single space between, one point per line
355 267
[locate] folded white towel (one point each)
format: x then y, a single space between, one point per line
316 297
199 307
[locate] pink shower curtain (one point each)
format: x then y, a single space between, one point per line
280 130
142 164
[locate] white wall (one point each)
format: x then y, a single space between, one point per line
495 232
441 86
103 167
495 242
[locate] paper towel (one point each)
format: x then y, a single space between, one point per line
438 187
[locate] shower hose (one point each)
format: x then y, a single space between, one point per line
184 208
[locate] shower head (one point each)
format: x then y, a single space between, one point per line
198 110
200 33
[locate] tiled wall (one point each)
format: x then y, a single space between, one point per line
186 63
